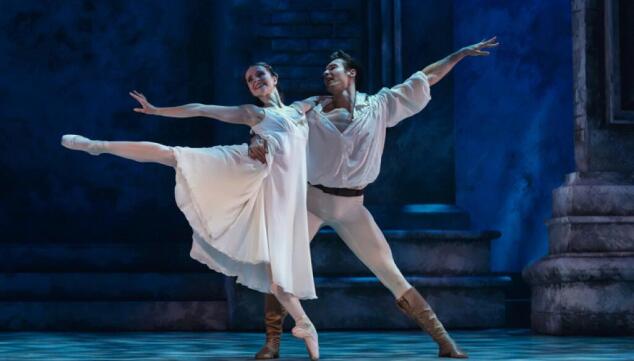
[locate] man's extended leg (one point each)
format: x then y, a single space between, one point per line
274 313
360 232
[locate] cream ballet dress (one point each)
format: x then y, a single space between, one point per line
249 219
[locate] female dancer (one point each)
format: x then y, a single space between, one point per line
249 219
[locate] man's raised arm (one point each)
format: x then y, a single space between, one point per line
411 96
436 71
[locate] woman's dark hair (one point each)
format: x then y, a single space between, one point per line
349 63
266 66
271 71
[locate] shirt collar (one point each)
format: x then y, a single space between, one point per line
361 100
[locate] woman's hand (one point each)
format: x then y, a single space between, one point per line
476 49
146 107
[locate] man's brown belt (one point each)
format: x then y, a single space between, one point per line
343 192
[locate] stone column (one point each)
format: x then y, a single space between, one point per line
585 285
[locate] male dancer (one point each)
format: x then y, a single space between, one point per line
347 136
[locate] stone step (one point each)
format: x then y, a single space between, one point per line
420 216
600 200
581 267
113 316
98 257
595 194
415 252
591 234
207 286
364 303
583 293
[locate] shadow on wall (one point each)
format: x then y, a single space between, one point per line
514 127
67 68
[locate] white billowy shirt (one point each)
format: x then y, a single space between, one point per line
352 158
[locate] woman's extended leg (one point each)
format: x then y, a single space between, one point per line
304 328
138 151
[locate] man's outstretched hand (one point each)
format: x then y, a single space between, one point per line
257 149
476 49
436 71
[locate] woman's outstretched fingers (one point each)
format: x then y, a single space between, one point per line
137 96
146 107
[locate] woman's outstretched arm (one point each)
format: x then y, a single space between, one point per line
244 114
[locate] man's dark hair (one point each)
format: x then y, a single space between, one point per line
349 63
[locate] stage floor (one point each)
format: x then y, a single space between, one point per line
489 345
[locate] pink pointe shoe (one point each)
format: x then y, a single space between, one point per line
305 330
77 142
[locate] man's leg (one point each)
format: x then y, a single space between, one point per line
360 232
274 313
363 236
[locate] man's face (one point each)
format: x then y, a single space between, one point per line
336 77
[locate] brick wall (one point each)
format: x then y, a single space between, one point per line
296 37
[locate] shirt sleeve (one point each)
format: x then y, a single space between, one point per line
404 100
298 106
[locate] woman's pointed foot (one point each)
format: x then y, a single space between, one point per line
77 142
305 330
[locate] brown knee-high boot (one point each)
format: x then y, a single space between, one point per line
415 306
274 315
